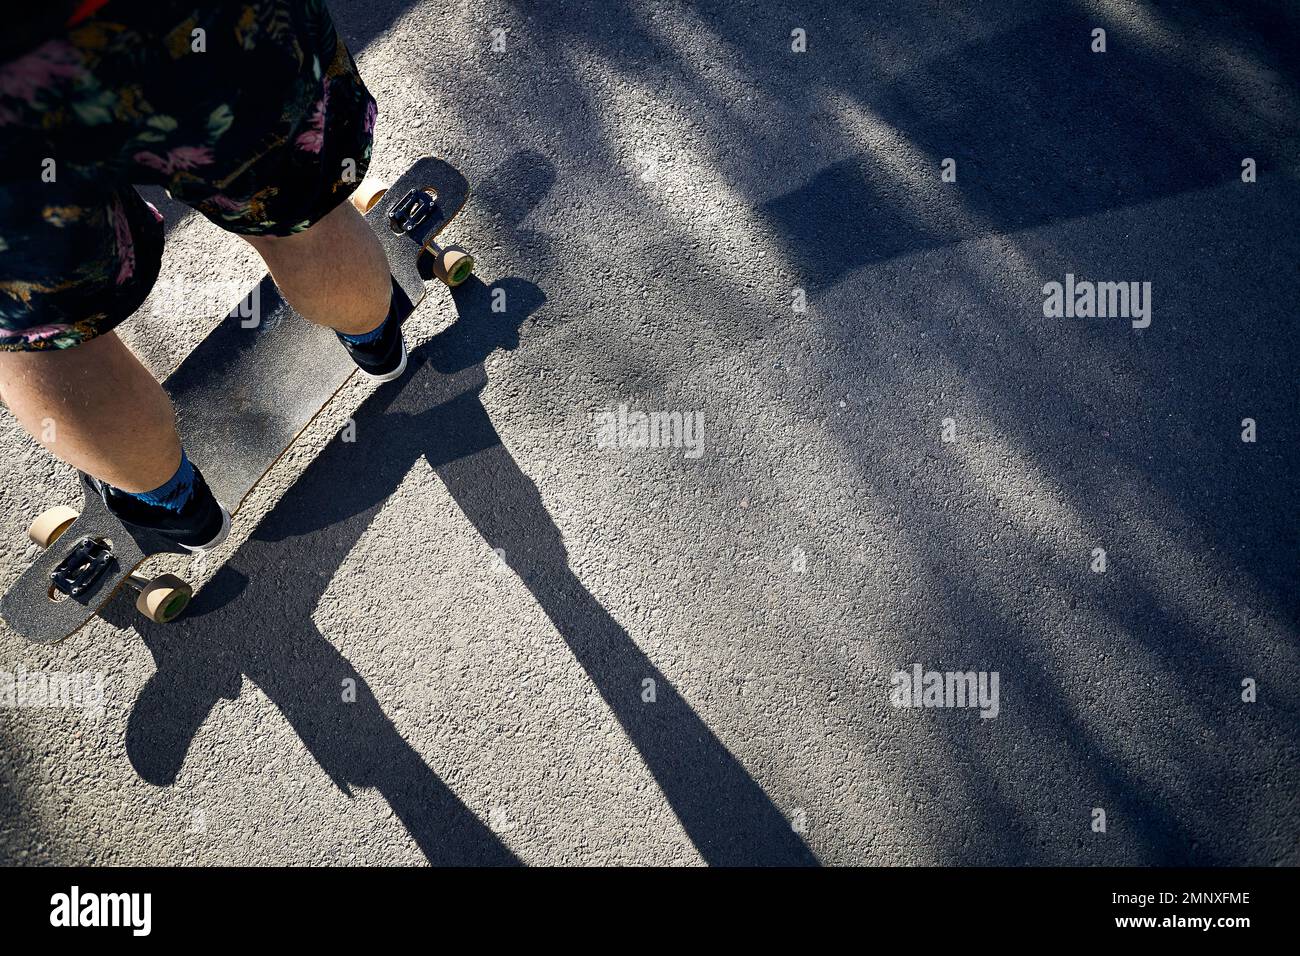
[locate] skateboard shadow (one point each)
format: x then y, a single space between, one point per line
434 413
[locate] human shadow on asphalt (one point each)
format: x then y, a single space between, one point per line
254 618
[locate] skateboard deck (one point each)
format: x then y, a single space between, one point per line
242 397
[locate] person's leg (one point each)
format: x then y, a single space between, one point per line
334 273
96 408
290 202
75 260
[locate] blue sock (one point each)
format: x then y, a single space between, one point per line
176 492
365 337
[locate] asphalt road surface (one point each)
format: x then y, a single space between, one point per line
490 629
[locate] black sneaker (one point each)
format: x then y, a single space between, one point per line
384 358
201 525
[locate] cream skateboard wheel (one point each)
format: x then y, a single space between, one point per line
47 527
163 598
368 193
452 265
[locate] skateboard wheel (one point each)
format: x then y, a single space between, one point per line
163 598
47 527
452 265
368 193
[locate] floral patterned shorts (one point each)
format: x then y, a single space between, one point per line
252 113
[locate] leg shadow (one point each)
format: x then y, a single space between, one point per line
724 811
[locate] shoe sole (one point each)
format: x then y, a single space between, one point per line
395 373
222 535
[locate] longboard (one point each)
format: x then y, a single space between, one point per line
242 398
